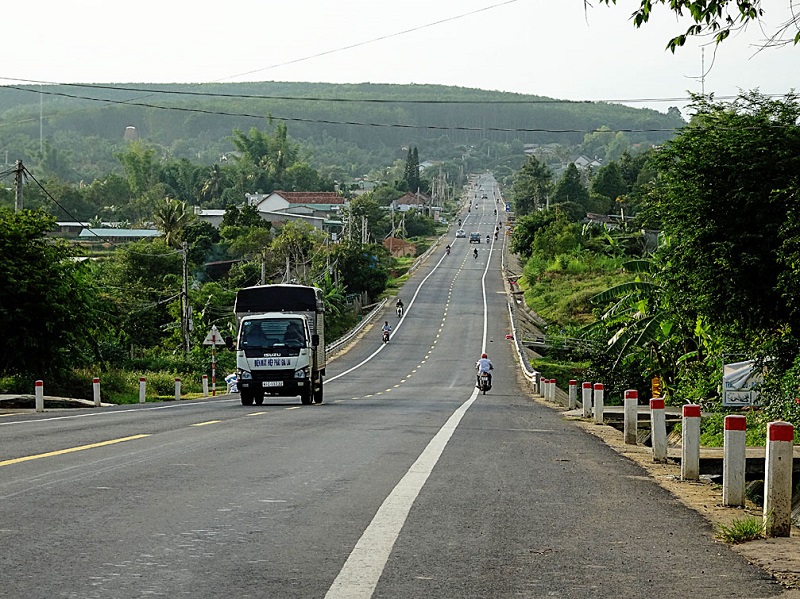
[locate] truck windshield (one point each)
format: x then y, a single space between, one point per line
272 333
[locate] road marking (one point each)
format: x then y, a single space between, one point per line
256 413
360 574
50 454
206 422
294 408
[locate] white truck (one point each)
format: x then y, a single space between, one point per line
280 343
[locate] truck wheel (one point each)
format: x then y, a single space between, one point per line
247 399
305 396
318 392
259 399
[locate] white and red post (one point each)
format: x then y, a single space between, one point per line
658 429
572 398
598 403
177 389
778 480
205 385
142 389
586 399
734 460
96 391
631 415
39 395
690 443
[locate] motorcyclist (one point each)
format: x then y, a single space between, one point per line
447 249
459 222
475 253
386 329
487 239
484 364
398 306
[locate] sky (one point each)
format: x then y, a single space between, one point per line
552 48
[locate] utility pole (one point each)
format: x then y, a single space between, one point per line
185 310
18 189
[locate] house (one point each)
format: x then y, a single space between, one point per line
583 162
417 201
116 235
319 208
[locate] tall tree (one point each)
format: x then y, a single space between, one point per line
172 217
570 188
531 187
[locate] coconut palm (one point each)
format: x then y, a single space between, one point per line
172 217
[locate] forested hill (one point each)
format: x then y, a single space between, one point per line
196 120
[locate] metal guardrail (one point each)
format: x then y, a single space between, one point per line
351 334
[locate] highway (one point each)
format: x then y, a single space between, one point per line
404 483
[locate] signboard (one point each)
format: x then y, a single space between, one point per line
214 337
655 387
740 383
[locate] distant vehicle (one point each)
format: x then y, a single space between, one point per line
461 233
474 237
485 197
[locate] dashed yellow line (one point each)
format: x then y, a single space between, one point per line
256 413
50 454
293 408
206 422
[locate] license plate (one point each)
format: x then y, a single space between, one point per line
272 383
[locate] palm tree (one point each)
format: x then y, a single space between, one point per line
172 217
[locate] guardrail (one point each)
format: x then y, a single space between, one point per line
351 334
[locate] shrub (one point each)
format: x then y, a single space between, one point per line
741 530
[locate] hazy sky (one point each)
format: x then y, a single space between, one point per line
546 47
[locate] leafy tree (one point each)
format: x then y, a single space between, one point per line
172 217
142 167
726 195
46 308
293 246
362 267
526 228
718 18
531 187
570 188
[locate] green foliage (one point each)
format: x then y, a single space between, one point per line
362 268
531 187
570 188
741 530
47 306
712 428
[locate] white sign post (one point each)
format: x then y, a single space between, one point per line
213 339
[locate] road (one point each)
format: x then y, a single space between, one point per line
403 483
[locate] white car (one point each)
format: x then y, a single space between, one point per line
461 233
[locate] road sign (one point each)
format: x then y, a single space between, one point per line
213 337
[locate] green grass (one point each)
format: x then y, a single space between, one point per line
741 530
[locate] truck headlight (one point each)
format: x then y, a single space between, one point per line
301 374
245 375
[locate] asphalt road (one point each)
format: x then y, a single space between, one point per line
403 483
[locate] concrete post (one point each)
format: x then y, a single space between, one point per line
598 403
142 385
631 415
658 429
734 460
39 394
177 389
572 400
778 480
690 443
553 390
96 391
586 399
205 385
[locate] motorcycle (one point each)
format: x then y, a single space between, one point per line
399 310
386 336
447 250
475 253
483 382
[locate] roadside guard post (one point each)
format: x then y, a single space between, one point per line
586 399
177 389
96 391
658 429
690 443
39 394
572 400
733 460
598 403
552 388
205 385
631 415
142 385
778 480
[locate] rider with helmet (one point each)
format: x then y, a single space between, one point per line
475 253
398 307
484 364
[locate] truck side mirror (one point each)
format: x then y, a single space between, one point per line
315 340
228 341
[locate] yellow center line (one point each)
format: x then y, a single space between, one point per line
2 415
294 408
206 422
50 454
256 413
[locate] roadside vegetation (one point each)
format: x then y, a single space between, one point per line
696 267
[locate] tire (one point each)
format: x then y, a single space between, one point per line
318 391
259 399
247 398
305 396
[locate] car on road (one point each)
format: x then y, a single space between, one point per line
474 237
461 233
